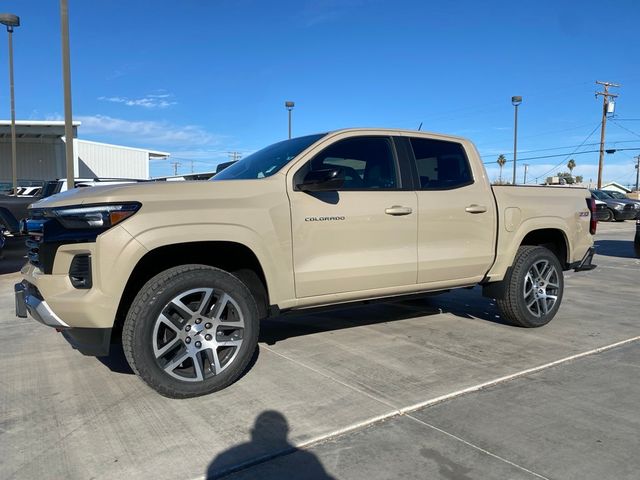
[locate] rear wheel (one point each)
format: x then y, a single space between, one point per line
534 288
191 330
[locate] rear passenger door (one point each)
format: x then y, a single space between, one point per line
457 218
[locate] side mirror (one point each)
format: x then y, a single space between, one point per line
326 180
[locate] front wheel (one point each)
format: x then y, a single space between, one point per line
191 330
533 289
609 215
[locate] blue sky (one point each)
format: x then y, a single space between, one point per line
201 78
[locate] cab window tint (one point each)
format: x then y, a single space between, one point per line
440 164
367 163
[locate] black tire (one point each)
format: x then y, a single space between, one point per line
155 297
609 216
514 304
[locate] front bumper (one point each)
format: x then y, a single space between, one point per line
88 341
29 300
625 214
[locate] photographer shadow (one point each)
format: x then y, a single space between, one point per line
268 442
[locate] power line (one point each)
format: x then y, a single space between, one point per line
625 128
561 155
575 152
560 148
175 167
234 156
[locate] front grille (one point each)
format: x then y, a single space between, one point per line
630 206
34 229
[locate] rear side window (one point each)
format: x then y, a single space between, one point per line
441 165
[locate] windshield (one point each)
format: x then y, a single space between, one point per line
617 195
600 195
267 161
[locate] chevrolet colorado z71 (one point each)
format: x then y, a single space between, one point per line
182 272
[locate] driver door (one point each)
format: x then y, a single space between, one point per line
361 237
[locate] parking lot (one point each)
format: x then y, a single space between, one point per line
431 388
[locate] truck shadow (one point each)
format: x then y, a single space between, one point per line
117 362
468 304
617 248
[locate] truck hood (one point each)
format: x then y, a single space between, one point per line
183 191
615 202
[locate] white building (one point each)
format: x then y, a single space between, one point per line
616 187
40 154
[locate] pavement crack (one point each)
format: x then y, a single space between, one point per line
477 447
319 372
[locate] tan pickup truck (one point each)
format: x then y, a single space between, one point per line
182 272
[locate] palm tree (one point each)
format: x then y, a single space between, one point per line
571 164
501 161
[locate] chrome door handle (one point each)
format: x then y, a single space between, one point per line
473 208
398 210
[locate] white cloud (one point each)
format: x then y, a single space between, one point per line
160 100
148 132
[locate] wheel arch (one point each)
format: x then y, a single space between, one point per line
230 256
555 239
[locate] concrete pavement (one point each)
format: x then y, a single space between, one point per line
65 415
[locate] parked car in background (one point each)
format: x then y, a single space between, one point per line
13 208
622 196
602 212
29 191
636 240
223 165
618 209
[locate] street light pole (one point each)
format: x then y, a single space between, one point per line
289 106
66 75
516 100
11 21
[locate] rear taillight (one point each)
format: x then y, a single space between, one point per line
593 223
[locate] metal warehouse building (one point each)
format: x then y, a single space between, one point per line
41 154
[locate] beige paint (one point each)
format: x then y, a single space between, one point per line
367 255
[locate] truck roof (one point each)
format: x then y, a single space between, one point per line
396 131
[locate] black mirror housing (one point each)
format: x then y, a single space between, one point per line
325 180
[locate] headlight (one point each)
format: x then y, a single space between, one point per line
618 207
93 216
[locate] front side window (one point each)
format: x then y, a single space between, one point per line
367 163
441 164
267 161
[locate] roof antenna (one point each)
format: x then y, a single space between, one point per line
420 126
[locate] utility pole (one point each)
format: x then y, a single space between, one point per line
637 172
191 166
605 102
526 168
66 80
235 156
175 167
